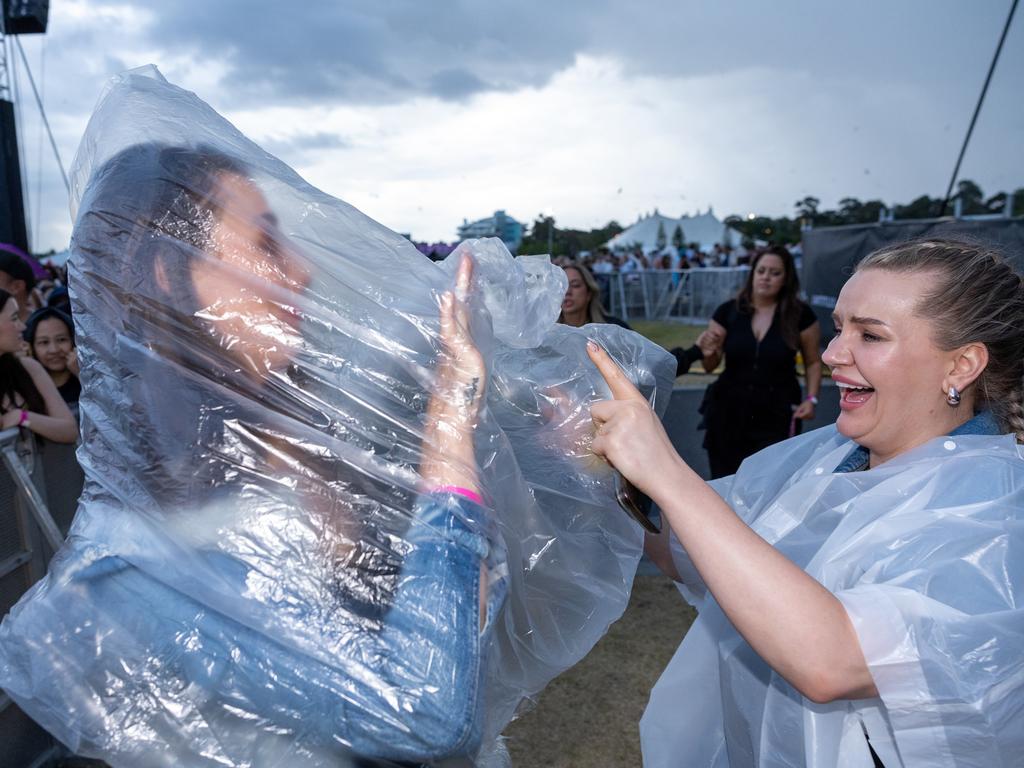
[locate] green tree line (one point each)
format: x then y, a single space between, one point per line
565 242
784 229
853 211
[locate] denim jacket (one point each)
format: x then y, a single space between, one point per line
153 667
982 423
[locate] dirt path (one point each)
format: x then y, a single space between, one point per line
588 717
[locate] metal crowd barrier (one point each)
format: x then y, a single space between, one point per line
686 295
29 537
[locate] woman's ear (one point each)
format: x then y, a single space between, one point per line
968 363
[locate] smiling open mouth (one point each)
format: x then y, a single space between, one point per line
852 395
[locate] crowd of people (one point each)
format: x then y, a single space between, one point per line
813 632
233 593
39 384
757 399
693 256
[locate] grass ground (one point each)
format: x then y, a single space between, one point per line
589 716
668 335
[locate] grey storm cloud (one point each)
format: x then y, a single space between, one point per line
932 54
306 142
386 51
456 84
370 52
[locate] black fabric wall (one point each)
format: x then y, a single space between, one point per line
830 253
12 207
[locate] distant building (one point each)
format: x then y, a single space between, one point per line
499 225
705 229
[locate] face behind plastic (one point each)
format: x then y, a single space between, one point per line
257 361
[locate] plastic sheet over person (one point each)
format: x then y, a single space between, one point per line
339 499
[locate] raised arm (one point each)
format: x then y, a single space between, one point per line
431 662
449 458
797 626
57 424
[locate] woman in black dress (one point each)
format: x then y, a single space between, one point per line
757 400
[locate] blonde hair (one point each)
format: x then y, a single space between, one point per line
978 298
595 312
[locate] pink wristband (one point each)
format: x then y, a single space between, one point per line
24 417
456 490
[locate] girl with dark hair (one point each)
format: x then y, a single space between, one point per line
28 397
284 553
756 401
188 298
51 339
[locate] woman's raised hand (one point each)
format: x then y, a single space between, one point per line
461 381
449 457
629 434
710 342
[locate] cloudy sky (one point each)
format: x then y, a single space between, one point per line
425 112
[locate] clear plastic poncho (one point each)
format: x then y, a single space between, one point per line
258 573
926 552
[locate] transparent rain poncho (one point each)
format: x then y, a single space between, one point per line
926 552
260 572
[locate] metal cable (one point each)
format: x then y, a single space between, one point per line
39 144
42 113
977 109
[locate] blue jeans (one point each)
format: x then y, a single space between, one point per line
162 663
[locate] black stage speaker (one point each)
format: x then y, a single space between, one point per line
12 207
25 17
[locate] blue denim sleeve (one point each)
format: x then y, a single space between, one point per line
411 690
460 521
425 700
434 624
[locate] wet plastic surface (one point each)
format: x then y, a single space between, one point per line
279 557
925 552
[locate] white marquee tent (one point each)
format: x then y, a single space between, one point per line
703 228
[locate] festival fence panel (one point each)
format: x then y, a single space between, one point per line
26 543
689 295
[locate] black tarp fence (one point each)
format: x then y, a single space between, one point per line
831 253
